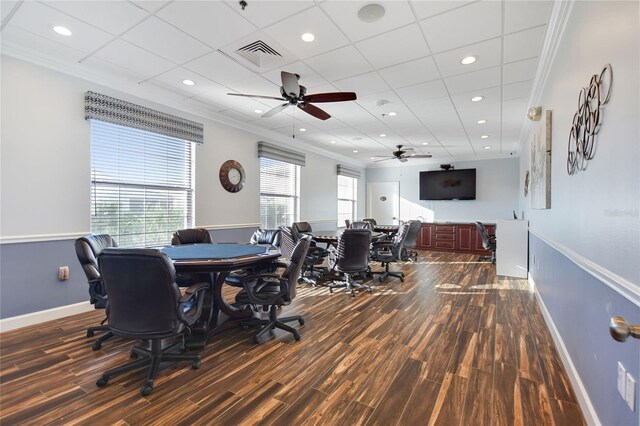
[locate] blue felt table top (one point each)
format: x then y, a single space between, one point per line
212 251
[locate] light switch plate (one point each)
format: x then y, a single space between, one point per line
630 395
622 380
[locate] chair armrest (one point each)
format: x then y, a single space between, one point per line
189 317
193 290
253 284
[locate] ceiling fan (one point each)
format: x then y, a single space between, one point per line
403 154
295 94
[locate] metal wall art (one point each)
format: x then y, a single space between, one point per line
587 120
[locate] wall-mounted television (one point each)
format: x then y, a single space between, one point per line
448 185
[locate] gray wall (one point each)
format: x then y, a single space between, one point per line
496 191
586 246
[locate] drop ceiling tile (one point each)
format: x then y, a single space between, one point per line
423 92
6 8
126 55
519 71
256 85
348 112
426 9
520 15
487 52
211 22
524 45
236 115
409 73
514 112
288 32
436 114
308 77
491 98
394 47
476 80
405 119
151 5
466 25
114 17
173 78
263 13
345 15
217 67
363 84
452 138
339 64
110 70
517 90
35 43
165 40
40 20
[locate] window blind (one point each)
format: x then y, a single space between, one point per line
279 193
348 171
347 199
274 152
141 184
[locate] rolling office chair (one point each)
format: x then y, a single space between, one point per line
363 224
347 223
315 255
260 236
191 236
146 304
488 242
409 252
87 249
352 258
370 220
387 252
273 291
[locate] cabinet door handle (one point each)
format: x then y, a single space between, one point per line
621 330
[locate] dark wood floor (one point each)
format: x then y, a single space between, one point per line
452 345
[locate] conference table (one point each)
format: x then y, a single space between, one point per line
331 238
217 260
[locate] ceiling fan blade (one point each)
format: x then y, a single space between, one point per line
402 159
421 156
330 97
290 84
314 110
408 149
255 96
275 110
384 159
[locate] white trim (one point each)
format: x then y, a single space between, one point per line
25 320
229 226
12 239
555 29
333 221
590 414
626 288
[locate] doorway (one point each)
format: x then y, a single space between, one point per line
383 202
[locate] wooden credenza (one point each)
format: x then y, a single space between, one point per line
457 237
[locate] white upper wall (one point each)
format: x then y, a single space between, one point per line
45 160
595 213
496 191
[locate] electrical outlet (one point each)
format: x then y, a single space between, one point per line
630 395
622 380
63 273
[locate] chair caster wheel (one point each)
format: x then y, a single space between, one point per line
90 333
330 290
102 382
96 346
380 279
256 340
296 336
195 365
370 290
146 391
133 355
301 321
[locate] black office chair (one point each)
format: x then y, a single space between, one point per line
87 249
370 220
311 269
409 252
352 258
363 224
387 252
260 236
145 303
347 223
488 242
273 291
266 236
191 236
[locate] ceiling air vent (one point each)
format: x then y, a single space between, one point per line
259 54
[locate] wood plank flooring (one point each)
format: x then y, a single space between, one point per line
452 345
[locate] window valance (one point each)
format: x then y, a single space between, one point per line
279 153
348 171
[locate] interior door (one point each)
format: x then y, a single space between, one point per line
383 202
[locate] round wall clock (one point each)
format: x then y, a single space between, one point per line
232 176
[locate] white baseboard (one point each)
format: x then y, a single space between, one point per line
590 415
20 321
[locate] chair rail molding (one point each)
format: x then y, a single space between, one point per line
229 226
38 238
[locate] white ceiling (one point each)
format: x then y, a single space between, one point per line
408 62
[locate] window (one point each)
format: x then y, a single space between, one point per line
347 199
141 184
279 193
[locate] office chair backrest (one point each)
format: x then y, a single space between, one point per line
362 225
400 238
347 223
292 273
266 236
299 229
87 249
353 250
287 243
190 236
143 294
412 233
373 221
486 240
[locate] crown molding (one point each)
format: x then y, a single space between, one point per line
558 19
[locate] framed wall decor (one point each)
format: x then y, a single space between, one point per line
541 164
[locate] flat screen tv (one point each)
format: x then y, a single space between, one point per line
448 185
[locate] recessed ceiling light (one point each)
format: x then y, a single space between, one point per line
393 114
188 82
373 158
425 143
302 129
487 147
333 141
382 135
481 121
468 60
476 98
355 150
62 30
484 136
258 111
308 37
412 154
371 13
